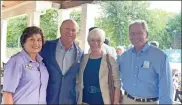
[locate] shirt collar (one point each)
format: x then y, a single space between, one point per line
61 45
143 49
79 51
28 59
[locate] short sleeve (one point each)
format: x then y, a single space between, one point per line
12 75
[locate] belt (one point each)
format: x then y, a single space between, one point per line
93 89
141 99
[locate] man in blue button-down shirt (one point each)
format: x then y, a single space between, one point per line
145 70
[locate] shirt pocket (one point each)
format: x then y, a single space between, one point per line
146 74
31 75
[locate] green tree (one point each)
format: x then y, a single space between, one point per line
116 17
48 22
157 27
14 31
76 15
173 30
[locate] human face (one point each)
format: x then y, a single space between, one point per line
95 45
119 51
68 32
137 35
33 44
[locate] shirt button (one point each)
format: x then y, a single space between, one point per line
136 66
135 75
137 57
133 84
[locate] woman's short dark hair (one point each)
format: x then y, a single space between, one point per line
107 41
28 32
90 29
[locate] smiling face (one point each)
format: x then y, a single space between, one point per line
95 39
33 44
137 35
95 44
119 51
68 31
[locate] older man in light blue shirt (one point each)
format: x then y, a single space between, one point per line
145 70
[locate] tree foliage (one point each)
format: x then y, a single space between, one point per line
116 16
173 29
49 23
164 27
76 15
14 30
157 27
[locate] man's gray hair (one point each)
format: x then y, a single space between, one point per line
142 22
70 20
96 33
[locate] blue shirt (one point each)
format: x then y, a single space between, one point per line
26 79
65 59
147 73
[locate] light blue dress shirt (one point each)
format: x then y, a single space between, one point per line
147 74
65 59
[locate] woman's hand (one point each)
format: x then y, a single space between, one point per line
8 98
116 102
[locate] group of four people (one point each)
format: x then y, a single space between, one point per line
58 72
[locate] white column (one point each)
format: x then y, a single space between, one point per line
87 21
1 7
63 14
3 40
34 18
0 36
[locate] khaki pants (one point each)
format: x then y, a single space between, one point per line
127 100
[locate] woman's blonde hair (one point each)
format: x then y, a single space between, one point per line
96 33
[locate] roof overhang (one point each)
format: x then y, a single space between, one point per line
64 4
